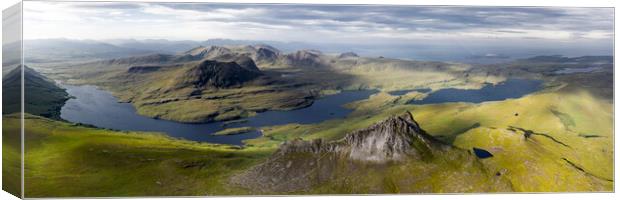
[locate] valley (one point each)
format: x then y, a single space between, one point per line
251 120
222 99
282 82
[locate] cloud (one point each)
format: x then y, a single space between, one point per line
327 23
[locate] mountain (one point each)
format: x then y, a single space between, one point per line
233 74
211 73
379 150
393 139
41 95
223 84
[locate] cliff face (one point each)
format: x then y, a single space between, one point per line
300 165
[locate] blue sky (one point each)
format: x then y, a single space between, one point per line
327 24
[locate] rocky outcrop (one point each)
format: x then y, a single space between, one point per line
393 139
299 165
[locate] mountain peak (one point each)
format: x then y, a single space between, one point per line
393 139
217 74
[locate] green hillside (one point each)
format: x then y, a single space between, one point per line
41 95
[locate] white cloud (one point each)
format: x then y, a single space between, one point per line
97 20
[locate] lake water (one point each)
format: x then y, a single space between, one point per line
481 153
511 88
99 108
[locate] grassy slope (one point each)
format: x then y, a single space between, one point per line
234 131
67 160
11 156
532 165
99 162
454 171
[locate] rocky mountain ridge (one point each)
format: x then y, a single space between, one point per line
300 165
390 140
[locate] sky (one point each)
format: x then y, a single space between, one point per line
589 28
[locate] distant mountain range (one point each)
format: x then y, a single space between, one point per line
63 50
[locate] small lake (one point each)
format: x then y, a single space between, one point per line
509 89
99 108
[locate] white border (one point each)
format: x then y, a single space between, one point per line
563 3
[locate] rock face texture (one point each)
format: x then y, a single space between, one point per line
210 73
298 165
393 139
